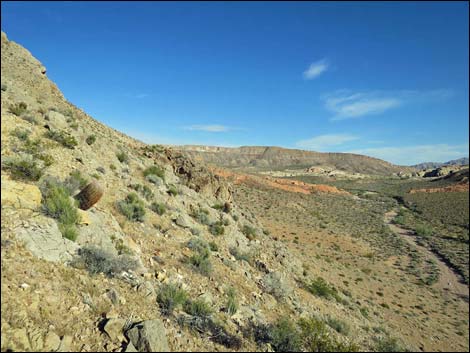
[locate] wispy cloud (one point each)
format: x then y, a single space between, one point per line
141 95
208 128
316 69
324 142
345 104
411 155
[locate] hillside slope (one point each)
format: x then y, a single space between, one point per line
174 257
277 157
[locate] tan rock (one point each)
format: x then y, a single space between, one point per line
51 342
114 329
84 217
20 195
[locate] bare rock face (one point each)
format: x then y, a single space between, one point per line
43 239
198 177
20 195
149 336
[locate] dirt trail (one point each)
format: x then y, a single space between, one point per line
448 280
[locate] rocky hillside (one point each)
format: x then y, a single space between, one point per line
433 165
279 158
109 244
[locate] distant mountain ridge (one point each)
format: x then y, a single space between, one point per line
432 165
261 157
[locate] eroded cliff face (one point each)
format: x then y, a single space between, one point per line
277 157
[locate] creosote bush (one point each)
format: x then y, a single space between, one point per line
144 190
172 190
122 157
158 208
62 137
198 308
96 260
18 108
249 232
132 207
320 288
217 228
170 296
90 139
23 167
21 134
200 260
202 216
155 170
232 304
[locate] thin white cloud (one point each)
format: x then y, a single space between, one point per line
411 155
345 104
316 69
324 142
208 128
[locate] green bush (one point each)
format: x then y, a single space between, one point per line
388 344
200 260
218 206
69 231
97 260
423 231
217 228
58 204
172 190
338 325
62 137
75 181
18 108
21 134
213 246
320 288
158 208
316 338
169 297
132 207
23 167
90 139
30 119
122 157
198 308
202 216
285 337
250 232
144 190
232 304
155 170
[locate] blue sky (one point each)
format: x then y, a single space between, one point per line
386 79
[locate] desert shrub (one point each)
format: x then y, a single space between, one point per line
23 167
198 308
69 231
200 260
213 246
339 326
144 190
202 216
122 157
75 181
96 260
423 231
170 296
101 170
235 217
218 206
21 134
32 146
58 204
90 139
249 231
153 179
158 208
232 304
238 255
320 288
132 207
112 167
316 338
18 108
217 228
172 190
388 344
47 159
285 337
155 170
275 285
62 137
30 119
